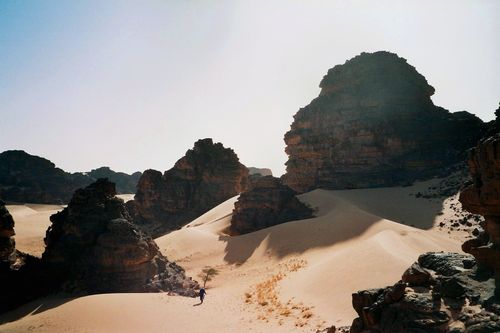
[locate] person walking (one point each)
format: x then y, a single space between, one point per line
202 294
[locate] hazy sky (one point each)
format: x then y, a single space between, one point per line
132 84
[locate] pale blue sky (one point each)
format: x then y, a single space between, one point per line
132 84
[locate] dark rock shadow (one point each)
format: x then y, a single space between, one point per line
335 225
34 307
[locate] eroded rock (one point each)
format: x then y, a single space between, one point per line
374 124
206 176
268 202
92 246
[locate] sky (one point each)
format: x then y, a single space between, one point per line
133 84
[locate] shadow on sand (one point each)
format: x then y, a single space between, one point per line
342 215
34 307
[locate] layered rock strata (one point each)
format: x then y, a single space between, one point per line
483 197
206 176
268 202
92 246
374 124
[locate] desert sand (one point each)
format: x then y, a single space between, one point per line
297 276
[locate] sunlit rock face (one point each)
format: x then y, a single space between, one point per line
374 124
92 246
206 176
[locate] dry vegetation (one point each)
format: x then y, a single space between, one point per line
265 297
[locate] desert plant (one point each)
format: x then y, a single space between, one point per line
207 274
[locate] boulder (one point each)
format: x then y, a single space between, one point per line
446 286
206 176
374 124
268 202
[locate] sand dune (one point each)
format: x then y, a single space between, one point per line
32 220
296 276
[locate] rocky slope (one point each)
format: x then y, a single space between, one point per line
206 176
268 202
92 246
448 292
374 124
33 179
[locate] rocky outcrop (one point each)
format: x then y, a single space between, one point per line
92 246
268 202
7 243
441 293
206 176
33 179
483 197
125 183
374 124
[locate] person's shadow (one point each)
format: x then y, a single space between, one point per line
198 304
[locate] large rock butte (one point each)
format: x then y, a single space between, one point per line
268 202
92 246
374 124
206 176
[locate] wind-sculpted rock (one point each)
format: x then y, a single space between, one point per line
448 293
206 176
268 202
7 243
374 124
483 197
92 246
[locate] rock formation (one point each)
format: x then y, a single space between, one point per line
268 202
7 243
448 292
28 178
206 176
483 197
93 247
374 124
33 179
259 171
125 183
441 293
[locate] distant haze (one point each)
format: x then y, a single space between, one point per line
133 84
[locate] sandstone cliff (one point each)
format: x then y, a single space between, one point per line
374 124
268 202
92 246
206 176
